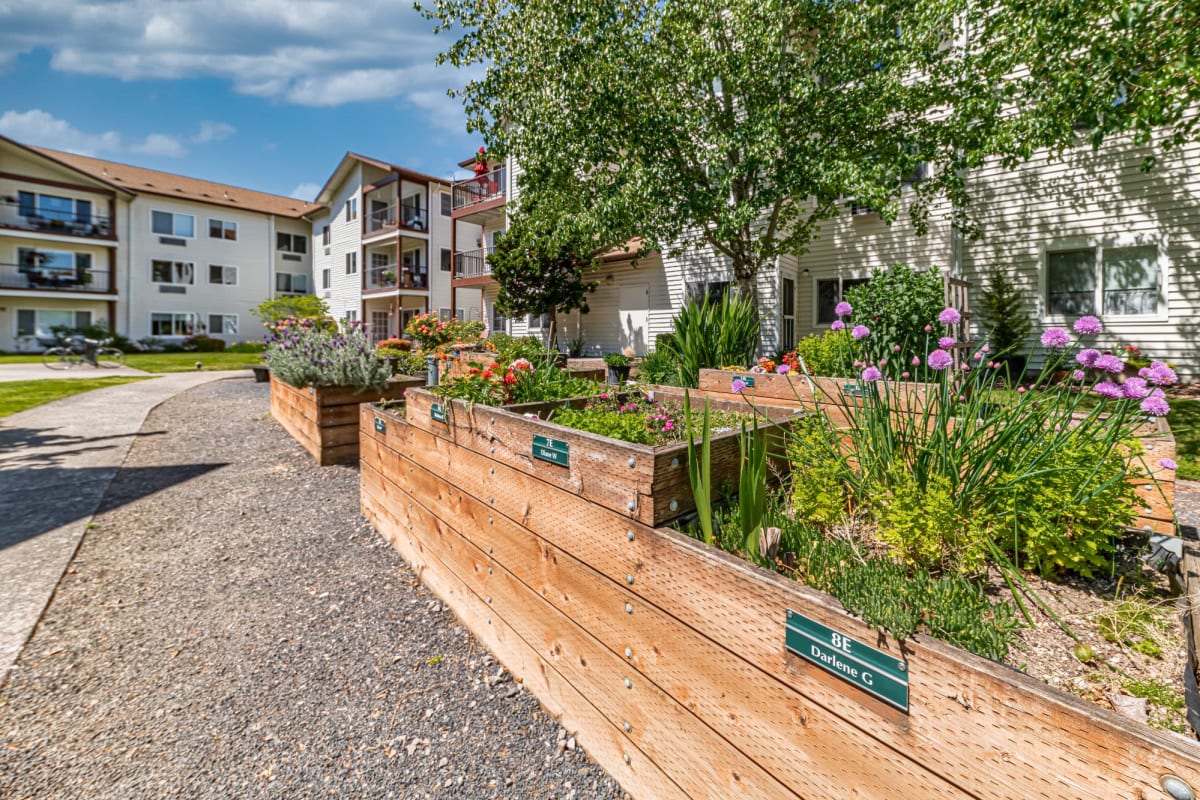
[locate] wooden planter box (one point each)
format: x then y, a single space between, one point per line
649 484
325 420
668 659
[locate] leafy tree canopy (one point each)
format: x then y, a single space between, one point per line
304 306
742 124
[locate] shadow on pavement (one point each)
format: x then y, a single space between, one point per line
36 500
26 447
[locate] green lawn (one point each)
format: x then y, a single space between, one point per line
1185 424
19 395
165 362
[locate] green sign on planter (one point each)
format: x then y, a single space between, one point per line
873 671
746 379
437 412
381 425
555 451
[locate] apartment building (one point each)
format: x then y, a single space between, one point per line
145 253
381 246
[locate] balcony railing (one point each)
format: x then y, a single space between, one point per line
472 264
78 279
480 189
67 223
407 217
393 276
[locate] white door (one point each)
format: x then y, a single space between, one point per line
634 306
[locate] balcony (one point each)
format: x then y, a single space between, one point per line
397 217
43 279
60 222
480 190
396 276
471 264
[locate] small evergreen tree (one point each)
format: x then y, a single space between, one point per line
1004 314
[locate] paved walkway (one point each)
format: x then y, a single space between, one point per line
39 372
56 462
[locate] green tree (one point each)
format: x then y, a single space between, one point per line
1004 313
304 306
742 124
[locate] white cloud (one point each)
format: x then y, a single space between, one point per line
159 144
42 128
213 132
305 191
321 53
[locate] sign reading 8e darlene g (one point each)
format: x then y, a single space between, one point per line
871 670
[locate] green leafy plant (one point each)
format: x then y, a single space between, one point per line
1003 309
818 493
822 352
700 468
659 367
303 352
521 381
633 418
617 360
278 309
710 333
510 348
432 332
752 492
897 303
1136 624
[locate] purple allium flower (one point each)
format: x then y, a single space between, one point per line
860 332
1168 463
987 348
871 374
1136 388
1088 326
895 348
965 366
1161 375
939 360
950 316
783 369
1056 337
1156 405
1144 372
1087 357
978 356
859 364
946 342
1021 390
837 325
1109 363
928 328
843 309
903 374
737 386
916 361
1109 389
1078 375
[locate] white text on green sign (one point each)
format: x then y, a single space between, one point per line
381 425
872 670
437 412
554 451
746 379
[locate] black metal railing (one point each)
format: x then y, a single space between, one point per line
408 217
71 279
396 276
472 264
480 189
69 223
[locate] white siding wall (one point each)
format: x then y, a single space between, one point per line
345 293
439 239
294 263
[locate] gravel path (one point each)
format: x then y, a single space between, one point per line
243 633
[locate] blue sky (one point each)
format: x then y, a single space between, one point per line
266 94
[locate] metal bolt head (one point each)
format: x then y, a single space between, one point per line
632 461
627 758
629 535
674 463
628 653
629 579
489 570
631 505
489 599
674 505
628 683
489 548
491 470
1177 788
628 729
629 608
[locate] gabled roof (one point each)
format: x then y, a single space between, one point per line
50 155
140 180
325 196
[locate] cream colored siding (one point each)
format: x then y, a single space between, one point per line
346 238
289 262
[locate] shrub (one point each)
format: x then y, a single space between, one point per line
896 304
1004 313
391 347
246 347
407 363
659 367
510 348
711 333
818 495
278 309
822 352
432 332
495 383
305 353
203 344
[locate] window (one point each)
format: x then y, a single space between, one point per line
499 322
172 324
445 260
225 324
325 236
713 290
539 322
830 292
351 263
1114 281
54 209
219 229
167 224
40 322
325 278
787 311
291 282
445 199
292 242
351 317
222 275
352 209
27 204
380 260
379 325
444 314
182 273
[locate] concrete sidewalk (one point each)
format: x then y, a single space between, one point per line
56 462
39 372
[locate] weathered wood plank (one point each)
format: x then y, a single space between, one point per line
325 421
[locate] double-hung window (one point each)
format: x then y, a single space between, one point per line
164 323
1112 281
351 263
166 223
179 273
222 229
830 292
222 275
291 243
291 282
223 324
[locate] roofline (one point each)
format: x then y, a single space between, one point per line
403 172
65 165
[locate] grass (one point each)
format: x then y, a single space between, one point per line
165 362
1185 425
19 395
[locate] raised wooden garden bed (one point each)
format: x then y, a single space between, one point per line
646 483
669 659
325 420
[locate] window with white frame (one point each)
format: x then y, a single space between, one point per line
444 314
352 209
167 223
172 323
351 263
40 322
53 209
291 243
291 283
180 273
351 316
446 205
830 292
325 236
222 275
445 259
223 324
222 229
325 278
539 322
787 313
1104 279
